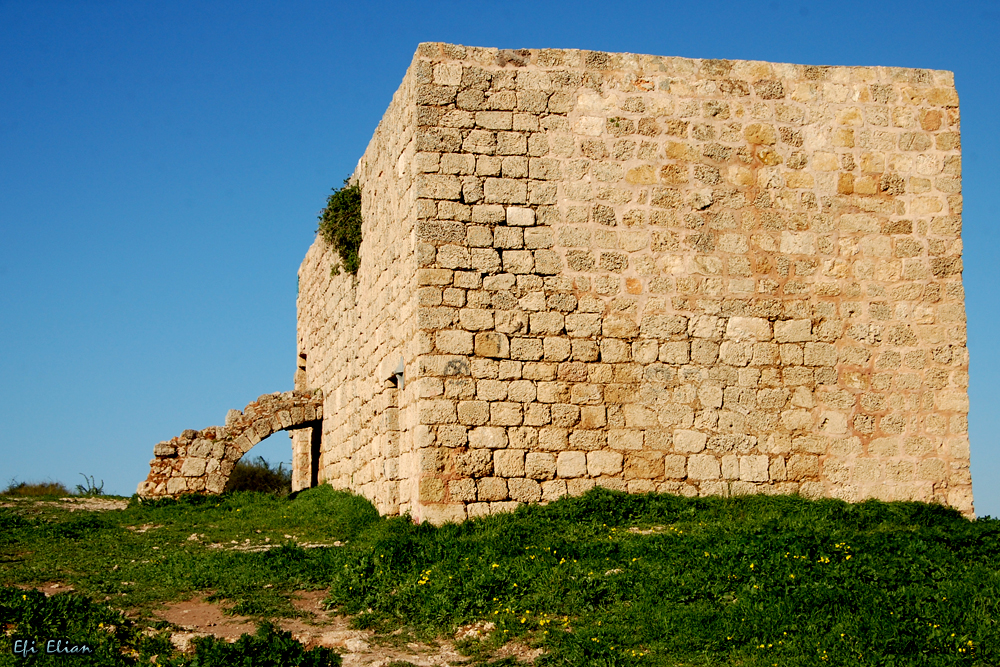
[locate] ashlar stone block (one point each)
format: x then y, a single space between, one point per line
492 344
524 490
643 465
520 217
754 468
509 462
553 489
703 467
689 441
492 489
488 437
540 465
748 328
453 342
604 463
463 490
474 463
571 464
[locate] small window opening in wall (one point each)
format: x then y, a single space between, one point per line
397 378
302 361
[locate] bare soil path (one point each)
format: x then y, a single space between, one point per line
197 617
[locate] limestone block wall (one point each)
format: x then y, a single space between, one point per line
650 273
354 330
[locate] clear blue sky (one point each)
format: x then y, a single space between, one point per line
162 164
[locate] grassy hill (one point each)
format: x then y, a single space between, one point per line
603 579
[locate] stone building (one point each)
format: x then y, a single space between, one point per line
646 273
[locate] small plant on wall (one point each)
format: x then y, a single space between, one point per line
340 226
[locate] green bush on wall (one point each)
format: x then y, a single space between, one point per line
340 225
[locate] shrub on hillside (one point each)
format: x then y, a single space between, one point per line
91 488
258 475
15 488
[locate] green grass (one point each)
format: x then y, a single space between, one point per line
604 579
31 617
166 550
97 635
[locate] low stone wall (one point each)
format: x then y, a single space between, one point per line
201 461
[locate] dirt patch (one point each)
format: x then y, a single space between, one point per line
319 627
94 504
198 618
49 588
144 527
519 651
71 504
247 546
203 617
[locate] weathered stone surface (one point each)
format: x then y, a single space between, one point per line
602 277
165 450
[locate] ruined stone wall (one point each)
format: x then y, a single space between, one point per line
202 461
353 331
693 276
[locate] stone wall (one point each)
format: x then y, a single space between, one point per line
648 273
354 330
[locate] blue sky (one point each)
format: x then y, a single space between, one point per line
162 164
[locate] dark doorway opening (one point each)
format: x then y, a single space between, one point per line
316 438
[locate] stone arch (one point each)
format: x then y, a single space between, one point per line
201 461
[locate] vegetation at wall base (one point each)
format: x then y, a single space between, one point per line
615 579
602 579
340 225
